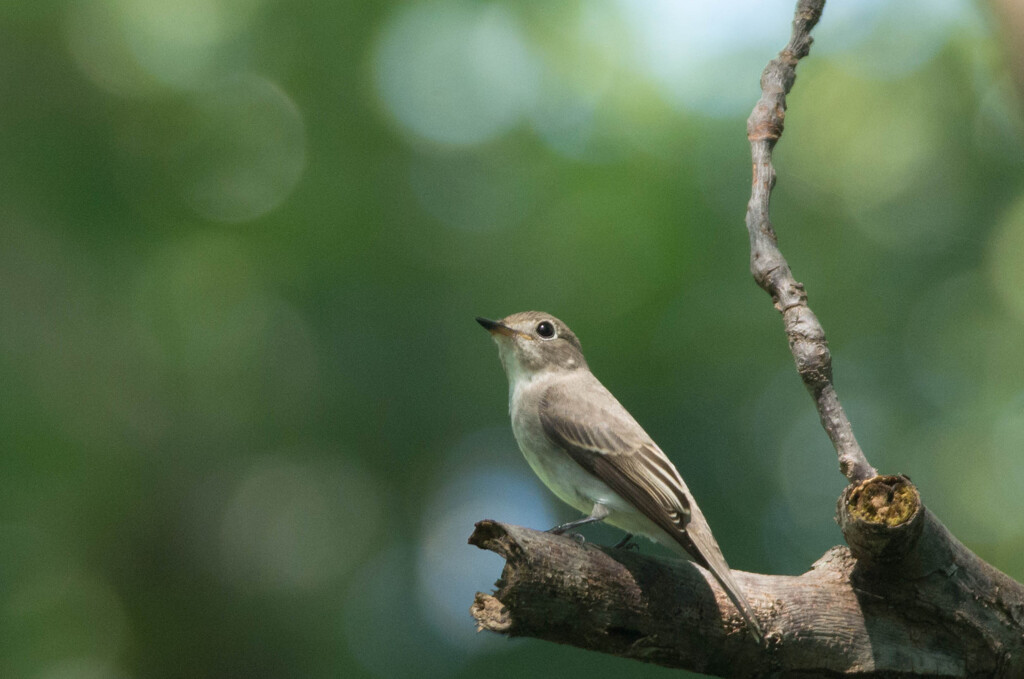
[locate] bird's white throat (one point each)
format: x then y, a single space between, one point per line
519 378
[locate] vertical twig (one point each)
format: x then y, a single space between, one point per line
768 266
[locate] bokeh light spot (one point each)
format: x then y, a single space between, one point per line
246 151
82 668
290 525
888 40
128 46
234 345
56 617
486 478
455 72
689 49
881 153
175 41
98 44
581 68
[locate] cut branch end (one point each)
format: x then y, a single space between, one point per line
881 518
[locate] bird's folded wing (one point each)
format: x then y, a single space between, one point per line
603 438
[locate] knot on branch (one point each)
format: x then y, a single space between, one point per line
767 121
790 294
881 518
807 341
807 14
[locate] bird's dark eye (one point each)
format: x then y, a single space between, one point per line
546 329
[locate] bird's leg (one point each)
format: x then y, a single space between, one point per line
598 513
624 543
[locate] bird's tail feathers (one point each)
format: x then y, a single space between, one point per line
739 599
705 550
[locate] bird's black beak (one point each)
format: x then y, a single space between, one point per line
494 327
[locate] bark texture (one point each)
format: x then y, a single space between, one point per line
909 601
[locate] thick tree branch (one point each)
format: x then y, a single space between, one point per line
769 267
929 608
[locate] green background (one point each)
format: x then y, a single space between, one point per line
247 420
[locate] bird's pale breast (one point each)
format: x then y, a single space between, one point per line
564 476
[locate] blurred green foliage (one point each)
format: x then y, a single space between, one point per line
246 418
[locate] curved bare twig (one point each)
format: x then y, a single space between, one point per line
769 267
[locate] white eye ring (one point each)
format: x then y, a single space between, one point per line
546 330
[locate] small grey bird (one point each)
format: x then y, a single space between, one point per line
590 451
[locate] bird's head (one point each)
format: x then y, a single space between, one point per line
532 341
